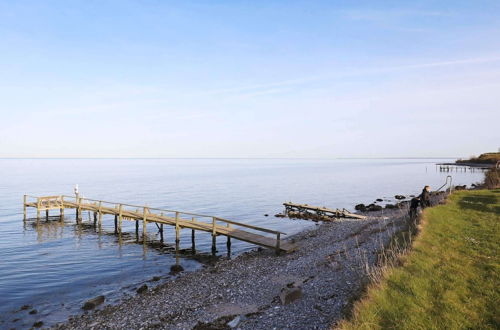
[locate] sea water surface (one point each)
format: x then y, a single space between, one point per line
52 267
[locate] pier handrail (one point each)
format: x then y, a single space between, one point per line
270 231
446 182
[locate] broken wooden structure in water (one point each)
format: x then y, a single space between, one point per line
321 212
121 211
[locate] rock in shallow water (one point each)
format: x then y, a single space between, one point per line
93 303
142 289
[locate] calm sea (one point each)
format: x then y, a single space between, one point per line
54 266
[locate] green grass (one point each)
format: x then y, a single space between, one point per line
451 278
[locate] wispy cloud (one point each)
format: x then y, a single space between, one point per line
273 87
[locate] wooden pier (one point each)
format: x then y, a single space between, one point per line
180 220
321 211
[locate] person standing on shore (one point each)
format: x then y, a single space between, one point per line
415 202
425 197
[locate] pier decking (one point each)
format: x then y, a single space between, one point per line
322 211
196 222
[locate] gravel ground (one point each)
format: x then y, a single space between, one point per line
328 269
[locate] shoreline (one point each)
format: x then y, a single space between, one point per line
328 271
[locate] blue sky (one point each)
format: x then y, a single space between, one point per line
249 78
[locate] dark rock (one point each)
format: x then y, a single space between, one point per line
390 206
379 199
25 307
461 187
279 215
399 197
289 295
156 278
93 303
37 324
142 289
360 207
266 215
34 311
176 269
373 207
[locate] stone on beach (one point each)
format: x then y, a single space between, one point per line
289 295
93 303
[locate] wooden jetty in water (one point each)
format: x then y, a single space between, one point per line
196 222
321 211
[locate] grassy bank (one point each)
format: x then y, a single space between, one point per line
451 278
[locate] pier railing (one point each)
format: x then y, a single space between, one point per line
145 214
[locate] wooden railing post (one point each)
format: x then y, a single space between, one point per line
120 218
100 214
177 229
24 206
38 208
62 207
214 236
78 209
144 223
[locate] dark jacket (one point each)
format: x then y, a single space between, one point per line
425 198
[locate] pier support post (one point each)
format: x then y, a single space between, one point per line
120 218
214 236
100 215
78 210
161 229
116 224
214 244
144 224
47 215
24 207
177 228
137 228
61 210
95 219
193 244
228 243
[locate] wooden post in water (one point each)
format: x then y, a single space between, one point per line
144 224
177 229
95 219
214 237
47 214
61 210
100 215
38 208
78 210
120 218
116 224
161 229
24 207
228 244
193 244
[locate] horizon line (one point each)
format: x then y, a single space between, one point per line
194 158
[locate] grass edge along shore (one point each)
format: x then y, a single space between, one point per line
451 276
